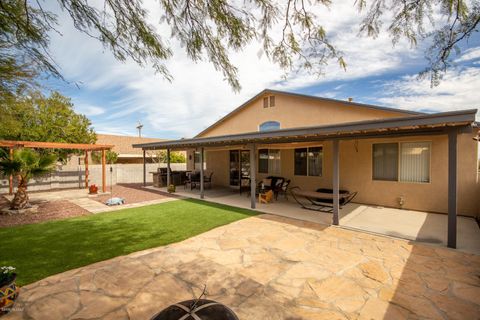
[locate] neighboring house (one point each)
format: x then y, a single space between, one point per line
391 157
123 146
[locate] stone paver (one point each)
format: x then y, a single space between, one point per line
269 268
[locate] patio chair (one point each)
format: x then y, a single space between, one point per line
245 185
192 179
283 189
208 180
321 201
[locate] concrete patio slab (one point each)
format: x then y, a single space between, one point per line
268 267
419 226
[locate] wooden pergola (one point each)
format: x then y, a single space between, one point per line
60 145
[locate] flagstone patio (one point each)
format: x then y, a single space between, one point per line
269 267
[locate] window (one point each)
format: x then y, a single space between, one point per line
263 161
309 161
269 161
405 162
385 161
315 157
197 164
269 125
269 101
415 162
272 101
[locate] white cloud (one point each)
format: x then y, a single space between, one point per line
470 54
89 110
458 90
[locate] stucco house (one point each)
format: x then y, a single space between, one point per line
390 157
122 145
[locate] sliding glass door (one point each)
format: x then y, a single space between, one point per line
239 166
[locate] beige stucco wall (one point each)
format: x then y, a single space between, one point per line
355 163
293 112
356 174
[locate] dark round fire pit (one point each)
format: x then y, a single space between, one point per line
197 309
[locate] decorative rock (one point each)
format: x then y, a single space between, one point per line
10 212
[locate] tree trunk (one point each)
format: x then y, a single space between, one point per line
20 201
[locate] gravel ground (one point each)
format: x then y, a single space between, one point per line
132 193
62 209
52 210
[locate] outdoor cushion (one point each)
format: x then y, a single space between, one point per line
115 201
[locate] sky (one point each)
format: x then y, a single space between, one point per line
116 95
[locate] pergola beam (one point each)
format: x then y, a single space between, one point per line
54 145
60 145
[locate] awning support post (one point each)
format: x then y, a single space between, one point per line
202 195
253 172
168 168
452 188
336 182
144 169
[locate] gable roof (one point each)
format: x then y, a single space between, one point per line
300 95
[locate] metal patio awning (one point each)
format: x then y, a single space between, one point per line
418 124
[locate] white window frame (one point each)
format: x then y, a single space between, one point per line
260 125
399 155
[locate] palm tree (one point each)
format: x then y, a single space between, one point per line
25 164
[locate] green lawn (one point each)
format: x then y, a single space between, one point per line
44 249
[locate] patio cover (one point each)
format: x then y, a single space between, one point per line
412 125
446 123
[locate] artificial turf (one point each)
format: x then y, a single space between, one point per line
43 249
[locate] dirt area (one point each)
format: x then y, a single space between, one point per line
47 210
132 193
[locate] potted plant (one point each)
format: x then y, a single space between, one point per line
171 188
8 288
93 189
